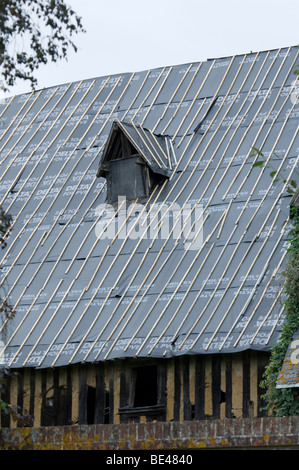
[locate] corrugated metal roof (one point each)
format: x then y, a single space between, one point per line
80 296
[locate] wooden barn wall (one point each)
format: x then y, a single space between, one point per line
185 388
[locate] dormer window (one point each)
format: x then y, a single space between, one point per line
128 177
134 161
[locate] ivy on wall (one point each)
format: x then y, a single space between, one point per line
285 401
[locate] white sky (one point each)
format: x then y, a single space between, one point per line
134 35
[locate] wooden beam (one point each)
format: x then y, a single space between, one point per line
117 393
69 395
111 393
32 393
216 385
56 407
228 387
100 395
253 381
43 377
170 389
37 399
200 388
246 384
208 387
13 396
177 389
186 388
237 385
161 383
82 417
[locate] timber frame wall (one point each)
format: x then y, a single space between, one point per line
184 388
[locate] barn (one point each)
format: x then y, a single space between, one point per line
149 236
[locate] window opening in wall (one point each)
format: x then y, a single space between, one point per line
91 406
143 393
145 386
54 406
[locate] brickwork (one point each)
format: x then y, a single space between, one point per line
207 434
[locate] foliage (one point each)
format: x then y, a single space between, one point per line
283 402
6 311
262 162
5 222
33 32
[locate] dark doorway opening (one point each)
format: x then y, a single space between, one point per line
145 386
91 403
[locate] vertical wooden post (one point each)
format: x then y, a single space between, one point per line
111 393
161 383
69 396
186 389
56 400
246 383
170 389
75 392
38 399
99 395
216 385
228 387
82 417
237 385
177 389
223 387
200 388
13 400
253 381
32 394
43 417
20 397
117 393
208 387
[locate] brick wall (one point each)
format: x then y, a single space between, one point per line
223 433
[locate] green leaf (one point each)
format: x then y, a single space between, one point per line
293 183
260 163
290 191
257 151
273 173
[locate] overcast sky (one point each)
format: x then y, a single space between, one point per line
134 35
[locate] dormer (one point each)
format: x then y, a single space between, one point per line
134 161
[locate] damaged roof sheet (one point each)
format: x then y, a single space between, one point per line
80 296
